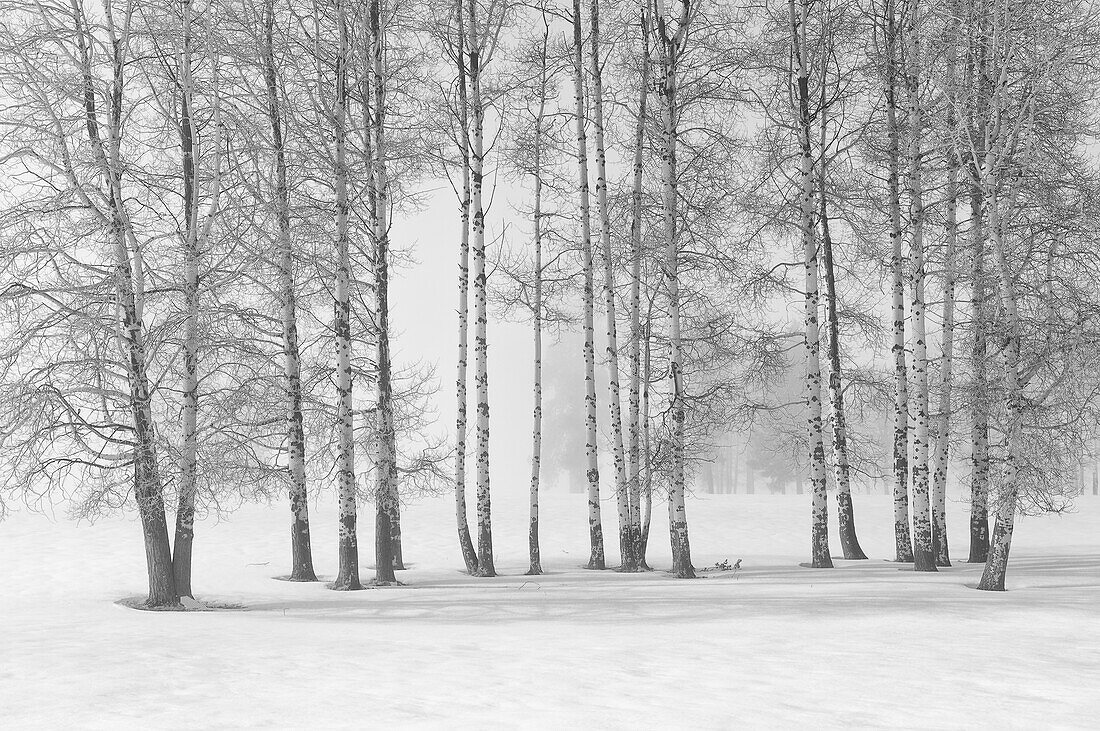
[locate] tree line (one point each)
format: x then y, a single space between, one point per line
201 212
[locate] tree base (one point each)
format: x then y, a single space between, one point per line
376 583
535 570
190 605
924 561
345 585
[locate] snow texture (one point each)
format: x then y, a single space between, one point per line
867 644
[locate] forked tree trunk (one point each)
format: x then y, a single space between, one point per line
301 552
485 563
348 576
629 561
903 542
671 45
979 430
819 535
846 517
596 559
129 287
942 443
185 511
923 556
197 235
465 542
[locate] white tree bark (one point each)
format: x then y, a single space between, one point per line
923 556
634 417
941 454
671 42
629 561
535 566
196 235
301 550
387 554
819 539
465 542
903 543
596 559
348 576
474 48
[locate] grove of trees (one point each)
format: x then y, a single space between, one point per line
201 210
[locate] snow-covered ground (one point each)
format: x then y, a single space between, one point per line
866 644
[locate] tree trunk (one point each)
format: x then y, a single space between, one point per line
465 542
903 544
845 511
185 511
348 577
301 552
820 527
629 562
386 508
595 524
647 456
923 557
535 560
485 563
942 452
993 578
634 417
671 46
129 285
979 431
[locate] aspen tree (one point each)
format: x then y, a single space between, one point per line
301 550
130 287
387 532
457 48
647 460
629 561
595 524
671 35
943 434
923 558
634 418
838 421
196 234
78 394
974 113
903 543
535 567
348 576
979 430
941 443
480 44
820 527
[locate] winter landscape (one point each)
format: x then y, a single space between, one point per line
610 364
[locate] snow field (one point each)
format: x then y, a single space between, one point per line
774 645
